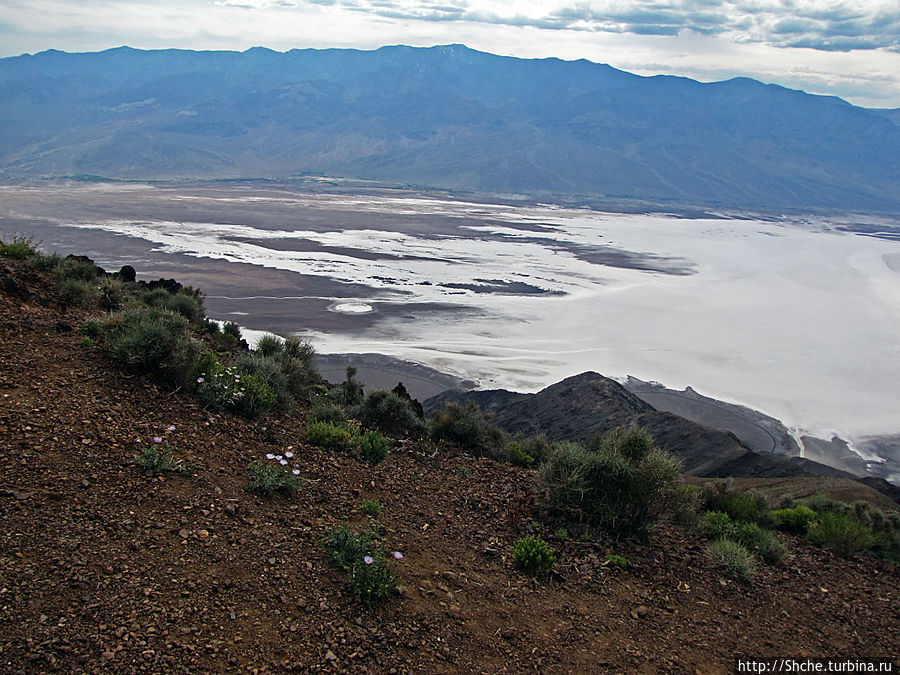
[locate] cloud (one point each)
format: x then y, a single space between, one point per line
843 25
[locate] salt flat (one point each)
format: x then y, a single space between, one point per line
791 316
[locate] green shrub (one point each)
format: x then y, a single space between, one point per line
111 293
256 397
75 292
389 413
619 561
371 507
18 248
372 579
330 436
764 543
266 479
269 345
686 505
732 558
841 533
186 302
622 485
45 262
533 554
823 503
467 428
346 548
350 391
747 506
158 458
73 267
287 368
152 341
232 329
373 447
518 456
323 410
91 328
717 525
795 519
561 533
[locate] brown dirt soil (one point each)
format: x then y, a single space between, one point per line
106 570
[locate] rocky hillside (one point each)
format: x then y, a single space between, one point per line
585 405
106 568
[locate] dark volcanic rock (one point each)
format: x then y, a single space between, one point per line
585 405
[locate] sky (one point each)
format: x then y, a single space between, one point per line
846 48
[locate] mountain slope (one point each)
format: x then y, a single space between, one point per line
585 405
447 117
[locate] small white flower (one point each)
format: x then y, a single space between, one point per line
289 454
283 462
296 472
270 456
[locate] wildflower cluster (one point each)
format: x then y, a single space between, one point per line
159 457
226 387
285 460
369 571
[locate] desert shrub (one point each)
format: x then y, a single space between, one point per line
232 329
323 410
372 579
186 302
717 525
286 367
533 554
764 543
619 561
467 428
111 293
152 341
794 519
91 328
45 262
17 248
732 558
518 455
622 485
345 548
373 447
331 436
686 505
389 413
75 291
840 532
268 368
350 392
73 267
823 503
371 507
256 396
159 458
746 506
266 479
269 345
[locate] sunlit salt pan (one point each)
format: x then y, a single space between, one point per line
352 308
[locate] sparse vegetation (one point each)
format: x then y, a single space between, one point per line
467 428
267 479
75 292
369 574
159 458
389 413
764 543
746 506
840 532
17 248
622 484
795 519
533 554
732 558
616 560
331 436
371 507
373 447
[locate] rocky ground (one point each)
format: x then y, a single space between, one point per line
106 570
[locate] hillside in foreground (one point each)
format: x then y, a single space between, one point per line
106 568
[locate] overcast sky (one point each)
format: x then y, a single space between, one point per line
847 48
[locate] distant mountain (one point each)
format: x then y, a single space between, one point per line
585 405
444 117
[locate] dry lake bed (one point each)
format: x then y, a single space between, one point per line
798 317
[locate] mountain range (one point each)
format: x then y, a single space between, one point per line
446 117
